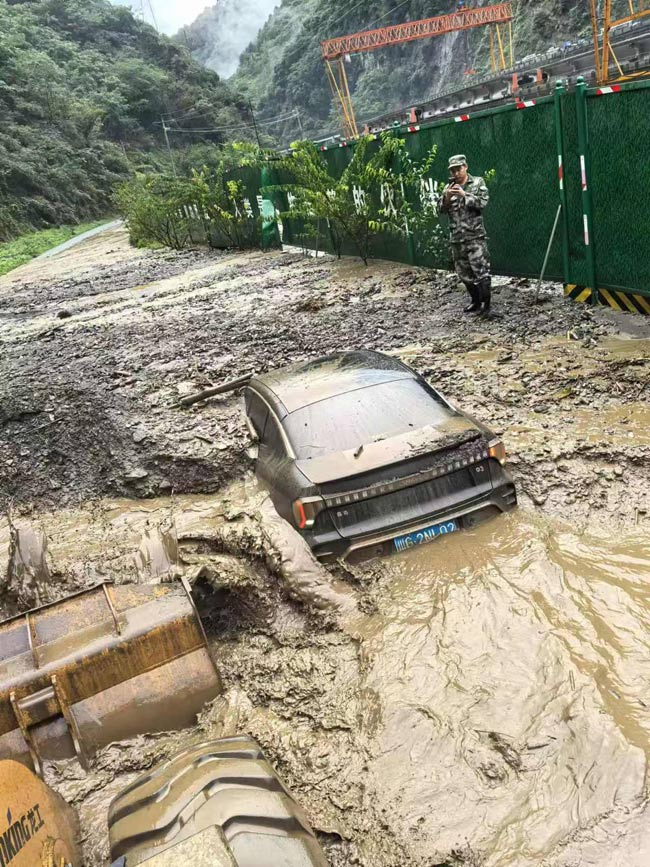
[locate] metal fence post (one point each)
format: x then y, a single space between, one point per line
587 210
270 231
559 140
410 240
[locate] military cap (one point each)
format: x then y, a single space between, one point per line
457 160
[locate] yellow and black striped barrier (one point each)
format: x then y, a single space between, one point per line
623 301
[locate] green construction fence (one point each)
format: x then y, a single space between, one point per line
585 150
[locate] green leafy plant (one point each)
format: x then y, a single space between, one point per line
223 208
339 206
153 210
408 195
20 250
208 207
387 192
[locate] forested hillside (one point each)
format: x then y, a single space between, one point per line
82 84
283 69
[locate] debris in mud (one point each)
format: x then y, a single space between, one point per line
28 580
375 695
158 557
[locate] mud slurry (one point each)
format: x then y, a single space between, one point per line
480 701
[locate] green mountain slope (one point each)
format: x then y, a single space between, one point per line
283 69
82 84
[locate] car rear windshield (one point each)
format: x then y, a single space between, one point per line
349 420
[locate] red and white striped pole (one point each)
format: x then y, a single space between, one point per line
559 140
587 210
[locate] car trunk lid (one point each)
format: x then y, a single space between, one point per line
403 494
401 449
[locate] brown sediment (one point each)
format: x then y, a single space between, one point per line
157 557
493 693
479 701
28 579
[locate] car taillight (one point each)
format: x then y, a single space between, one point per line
305 511
497 450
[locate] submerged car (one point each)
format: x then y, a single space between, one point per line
358 451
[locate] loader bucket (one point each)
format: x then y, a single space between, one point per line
37 827
101 665
216 804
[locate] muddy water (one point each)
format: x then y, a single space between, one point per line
509 673
492 701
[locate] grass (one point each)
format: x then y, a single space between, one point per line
26 247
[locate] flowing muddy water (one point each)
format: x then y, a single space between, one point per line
509 668
487 704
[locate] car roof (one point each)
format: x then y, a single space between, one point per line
307 382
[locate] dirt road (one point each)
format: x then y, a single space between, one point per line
481 701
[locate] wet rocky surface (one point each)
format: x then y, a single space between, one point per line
481 701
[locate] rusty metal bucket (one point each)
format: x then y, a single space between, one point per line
102 665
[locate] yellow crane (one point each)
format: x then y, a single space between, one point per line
601 27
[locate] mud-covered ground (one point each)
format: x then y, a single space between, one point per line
481 701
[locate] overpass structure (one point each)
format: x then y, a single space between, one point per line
529 79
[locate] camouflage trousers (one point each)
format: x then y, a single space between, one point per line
471 259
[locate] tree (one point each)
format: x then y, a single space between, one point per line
386 192
315 195
408 196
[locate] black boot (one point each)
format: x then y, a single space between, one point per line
475 306
485 296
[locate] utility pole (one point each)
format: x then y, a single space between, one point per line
169 148
302 132
257 135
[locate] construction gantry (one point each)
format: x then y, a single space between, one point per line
335 51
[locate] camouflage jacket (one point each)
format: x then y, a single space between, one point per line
465 215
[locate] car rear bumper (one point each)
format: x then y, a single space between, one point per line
330 546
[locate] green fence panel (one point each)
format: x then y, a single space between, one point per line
520 146
620 180
248 204
578 271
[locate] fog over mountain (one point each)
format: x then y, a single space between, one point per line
169 15
224 30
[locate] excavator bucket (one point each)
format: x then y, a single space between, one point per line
216 804
101 665
37 827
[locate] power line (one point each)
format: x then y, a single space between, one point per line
170 118
138 7
153 14
361 3
381 17
191 113
293 115
369 26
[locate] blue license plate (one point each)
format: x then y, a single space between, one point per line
421 537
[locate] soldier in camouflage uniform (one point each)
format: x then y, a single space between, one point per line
463 200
